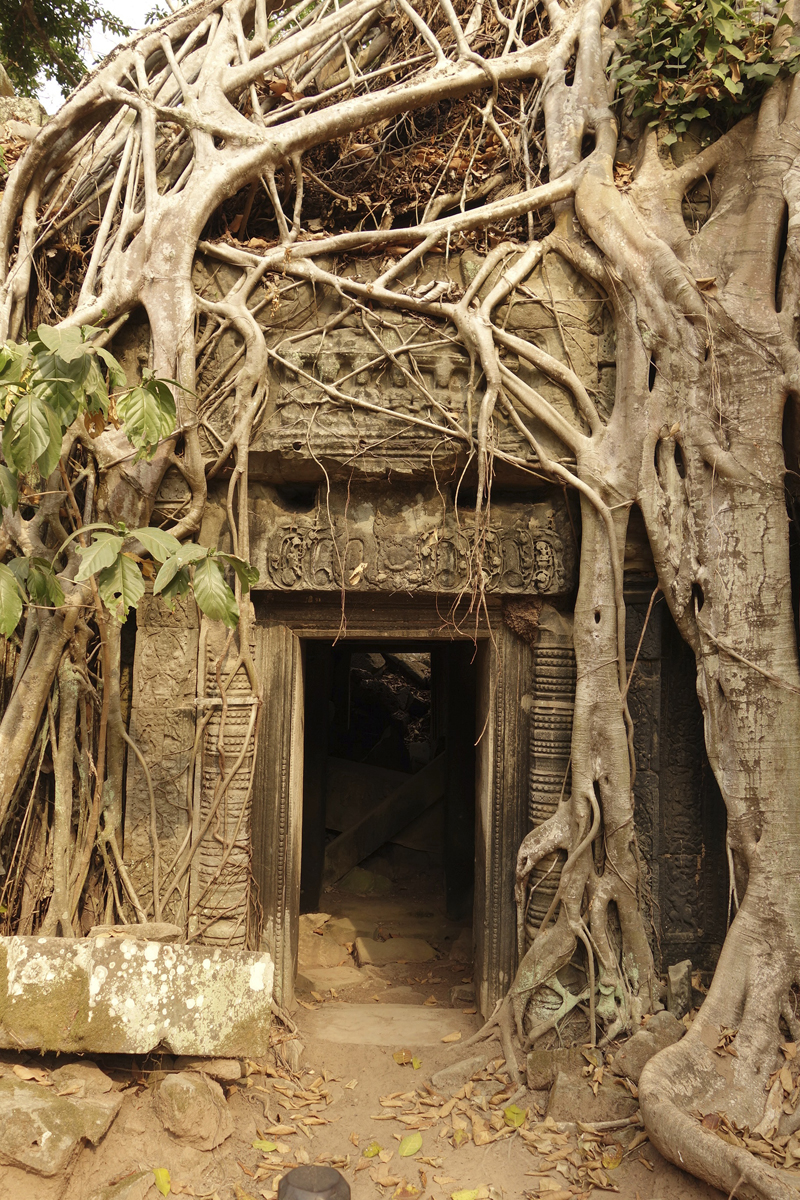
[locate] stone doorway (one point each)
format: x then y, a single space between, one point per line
485 668
389 808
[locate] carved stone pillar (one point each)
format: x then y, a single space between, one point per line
551 712
278 800
162 723
220 885
504 680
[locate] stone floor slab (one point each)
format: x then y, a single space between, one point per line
400 1025
395 950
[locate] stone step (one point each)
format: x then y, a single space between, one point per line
399 1025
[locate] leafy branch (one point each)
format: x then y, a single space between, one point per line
701 60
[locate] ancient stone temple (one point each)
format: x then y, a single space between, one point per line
362 529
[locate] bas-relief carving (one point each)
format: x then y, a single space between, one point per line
556 309
393 539
162 725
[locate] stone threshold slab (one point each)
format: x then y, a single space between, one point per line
385 1024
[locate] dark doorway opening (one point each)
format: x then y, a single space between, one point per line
388 845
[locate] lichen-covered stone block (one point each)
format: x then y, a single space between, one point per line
112 995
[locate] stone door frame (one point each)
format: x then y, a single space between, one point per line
505 679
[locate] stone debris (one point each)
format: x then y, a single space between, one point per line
150 931
42 1131
134 1187
316 947
679 988
80 1079
192 1107
450 1079
123 996
322 979
660 1031
395 950
228 1070
542 1066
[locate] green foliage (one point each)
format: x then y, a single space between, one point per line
46 39
46 384
688 60
148 415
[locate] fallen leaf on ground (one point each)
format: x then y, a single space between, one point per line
514 1116
34 1073
161 1176
452 1037
410 1145
459 1137
354 1138
372 1150
612 1156
353 1083
266 1147
416 1063
406 1191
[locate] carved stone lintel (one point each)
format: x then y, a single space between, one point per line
389 539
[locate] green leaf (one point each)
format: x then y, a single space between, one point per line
100 554
410 1145
177 586
669 138
416 1063
121 586
9 493
66 343
264 1146
10 601
13 361
212 593
162 1178
43 587
514 1116
372 1150
190 552
48 461
148 415
248 575
116 376
27 433
157 542
465 1193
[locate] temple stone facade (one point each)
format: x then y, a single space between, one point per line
362 527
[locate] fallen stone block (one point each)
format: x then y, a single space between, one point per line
660 1031
679 988
122 996
461 951
316 947
572 1099
80 1079
226 1069
193 1107
151 931
322 979
345 930
395 950
451 1078
462 993
42 1131
134 1187
542 1066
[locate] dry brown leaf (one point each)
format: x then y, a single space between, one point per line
452 1037
31 1073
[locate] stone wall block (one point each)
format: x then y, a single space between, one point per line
110 995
